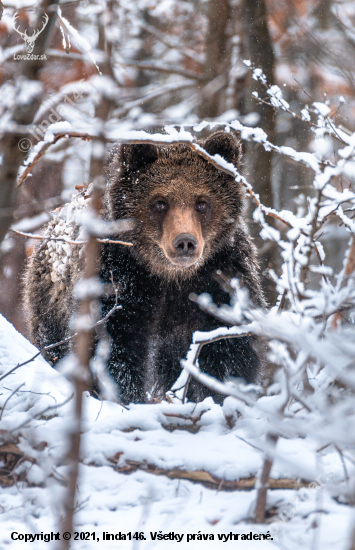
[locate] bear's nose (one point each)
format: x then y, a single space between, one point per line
185 244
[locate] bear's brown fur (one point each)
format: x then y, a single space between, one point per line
187 224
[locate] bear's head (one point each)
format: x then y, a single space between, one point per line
185 209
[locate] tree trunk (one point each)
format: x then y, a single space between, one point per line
216 55
257 48
23 114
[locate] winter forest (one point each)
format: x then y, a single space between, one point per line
272 463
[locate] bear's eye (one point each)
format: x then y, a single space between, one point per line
201 207
160 206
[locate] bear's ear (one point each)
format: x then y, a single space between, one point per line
226 145
134 157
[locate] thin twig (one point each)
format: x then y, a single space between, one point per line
164 69
349 270
282 301
65 240
38 415
198 351
186 387
8 399
303 90
346 475
20 365
64 341
46 145
248 443
168 41
311 245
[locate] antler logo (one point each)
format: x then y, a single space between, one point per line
29 40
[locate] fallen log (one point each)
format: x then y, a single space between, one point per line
205 478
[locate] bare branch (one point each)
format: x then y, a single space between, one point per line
168 41
64 341
8 399
194 146
23 114
65 240
349 270
44 148
164 69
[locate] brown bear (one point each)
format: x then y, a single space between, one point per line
188 223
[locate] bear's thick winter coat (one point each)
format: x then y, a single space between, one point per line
187 225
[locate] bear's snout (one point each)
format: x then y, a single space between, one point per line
185 244
182 240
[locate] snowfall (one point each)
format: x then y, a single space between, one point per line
154 469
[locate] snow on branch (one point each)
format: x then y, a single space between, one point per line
182 137
65 240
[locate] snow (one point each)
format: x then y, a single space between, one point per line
85 288
28 91
276 98
305 115
322 108
307 158
322 147
29 224
112 501
62 225
259 75
80 41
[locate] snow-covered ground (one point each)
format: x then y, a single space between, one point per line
119 490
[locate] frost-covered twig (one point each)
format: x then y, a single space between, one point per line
278 102
348 270
20 365
64 341
44 146
215 385
219 163
195 373
65 240
310 244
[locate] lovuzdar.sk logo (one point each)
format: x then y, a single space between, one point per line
29 40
